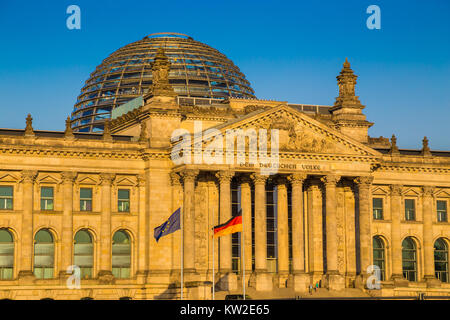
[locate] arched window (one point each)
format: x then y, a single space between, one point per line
44 254
84 253
379 256
409 259
6 254
121 254
441 260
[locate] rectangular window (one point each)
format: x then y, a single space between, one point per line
441 207
6 198
410 209
47 198
124 200
377 204
85 199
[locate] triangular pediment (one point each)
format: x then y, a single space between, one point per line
125 181
7 177
47 179
86 180
298 133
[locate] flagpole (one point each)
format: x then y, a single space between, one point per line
182 249
243 252
213 260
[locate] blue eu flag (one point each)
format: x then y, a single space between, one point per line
171 225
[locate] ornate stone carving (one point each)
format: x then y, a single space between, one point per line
297 178
364 181
225 176
426 152
68 177
303 141
394 148
29 176
143 134
107 131
68 133
107 178
346 83
258 178
140 180
396 189
29 132
428 191
175 179
160 72
330 180
189 174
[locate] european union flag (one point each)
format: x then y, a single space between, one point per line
171 225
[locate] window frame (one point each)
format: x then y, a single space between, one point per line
86 200
7 197
408 211
383 260
10 268
407 273
42 198
440 211
121 201
374 216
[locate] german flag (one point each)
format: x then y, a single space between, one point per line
231 226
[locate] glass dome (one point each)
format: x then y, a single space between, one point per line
197 70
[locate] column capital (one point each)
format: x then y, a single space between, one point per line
280 181
68 177
364 181
189 175
330 180
428 191
140 180
258 178
106 178
29 175
175 179
225 176
297 178
396 189
244 179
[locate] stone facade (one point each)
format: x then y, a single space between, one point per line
328 174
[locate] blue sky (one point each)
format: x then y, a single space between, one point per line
289 50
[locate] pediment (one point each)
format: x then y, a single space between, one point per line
298 133
86 180
7 177
125 181
47 179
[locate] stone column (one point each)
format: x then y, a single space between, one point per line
188 213
143 233
299 280
176 237
365 233
315 232
105 274
396 245
67 239
282 232
228 280
27 241
428 246
334 280
261 280
246 206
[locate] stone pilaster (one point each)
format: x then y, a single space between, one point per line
142 269
246 206
334 280
105 274
396 212
365 234
177 202
298 280
188 214
228 280
68 179
428 247
260 279
26 256
282 232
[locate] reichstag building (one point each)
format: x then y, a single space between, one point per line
356 215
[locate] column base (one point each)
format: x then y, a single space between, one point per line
227 282
299 281
432 281
399 281
261 281
26 276
106 277
334 281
